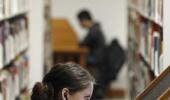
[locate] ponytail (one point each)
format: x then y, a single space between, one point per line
69 75
41 92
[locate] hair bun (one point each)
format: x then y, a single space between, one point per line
40 92
39 87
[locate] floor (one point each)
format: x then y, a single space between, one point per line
121 83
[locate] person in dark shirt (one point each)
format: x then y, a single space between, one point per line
94 39
95 42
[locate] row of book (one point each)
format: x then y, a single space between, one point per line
12 7
149 38
139 75
145 51
14 80
153 9
13 39
139 79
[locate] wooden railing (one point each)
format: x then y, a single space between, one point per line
157 89
165 95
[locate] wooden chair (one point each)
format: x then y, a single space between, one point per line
65 43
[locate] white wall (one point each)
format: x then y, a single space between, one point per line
166 28
36 41
111 13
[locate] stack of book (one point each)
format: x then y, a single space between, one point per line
12 7
152 9
13 50
13 39
14 80
150 46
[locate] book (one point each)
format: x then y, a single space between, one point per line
10 8
161 63
158 11
23 5
144 39
6 43
152 53
1 9
7 8
1 93
12 78
13 39
1 47
23 34
14 8
22 63
156 52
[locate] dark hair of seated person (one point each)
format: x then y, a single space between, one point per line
69 75
84 15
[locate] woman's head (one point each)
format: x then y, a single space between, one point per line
65 82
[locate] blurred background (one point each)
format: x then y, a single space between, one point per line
124 44
72 42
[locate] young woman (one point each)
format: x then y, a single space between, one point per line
64 82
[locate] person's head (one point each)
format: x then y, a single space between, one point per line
64 82
85 19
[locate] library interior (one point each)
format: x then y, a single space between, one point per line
84 50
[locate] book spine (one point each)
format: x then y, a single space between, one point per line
1 9
152 53
158 10
7 8
156 52
1 48
14 7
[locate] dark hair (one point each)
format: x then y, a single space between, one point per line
69 75
84 15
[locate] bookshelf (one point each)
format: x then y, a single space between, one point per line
48 58
145 14
14 45
145 43
15 15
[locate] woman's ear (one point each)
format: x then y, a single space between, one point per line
65 94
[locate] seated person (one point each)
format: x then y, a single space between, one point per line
94 39
64 82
